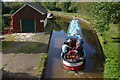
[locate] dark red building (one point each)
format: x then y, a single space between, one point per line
29 18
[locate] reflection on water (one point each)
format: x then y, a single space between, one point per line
94 59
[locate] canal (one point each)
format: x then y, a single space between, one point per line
94 57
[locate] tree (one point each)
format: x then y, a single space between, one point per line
58 6
105 13
8 6
5 9
65 6
73 8
45 4
52 5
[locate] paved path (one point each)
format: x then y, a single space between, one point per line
6 58
21 65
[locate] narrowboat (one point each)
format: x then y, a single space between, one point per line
73 51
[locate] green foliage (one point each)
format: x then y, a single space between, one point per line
65 6
105 13
7 18
12 11
58 6
3 25
73 8
101 26
8 6
49 5
5 9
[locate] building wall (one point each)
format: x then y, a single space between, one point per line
28 13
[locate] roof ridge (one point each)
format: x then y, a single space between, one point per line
36 7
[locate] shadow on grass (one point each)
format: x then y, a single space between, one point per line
23 47
16 76
116 40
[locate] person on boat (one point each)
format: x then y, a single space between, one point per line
79 49
75 18
81 40
65 49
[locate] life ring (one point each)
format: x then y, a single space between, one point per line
69 54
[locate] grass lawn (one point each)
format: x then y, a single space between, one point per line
109 41
28 48
110 48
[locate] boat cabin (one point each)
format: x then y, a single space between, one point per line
72 42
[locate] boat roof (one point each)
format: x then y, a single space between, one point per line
74 30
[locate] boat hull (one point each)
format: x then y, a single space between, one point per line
73 66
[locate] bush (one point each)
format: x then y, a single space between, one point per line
12 11
3 25
7 19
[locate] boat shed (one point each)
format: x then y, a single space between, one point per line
30 17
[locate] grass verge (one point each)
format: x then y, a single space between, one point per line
40 67
109 41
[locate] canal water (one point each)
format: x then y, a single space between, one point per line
94 58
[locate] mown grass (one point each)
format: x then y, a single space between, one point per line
5 44
8 44
110 48
28 48
109 41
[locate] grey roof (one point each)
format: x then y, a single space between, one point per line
38 7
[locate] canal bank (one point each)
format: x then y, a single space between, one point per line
94 61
